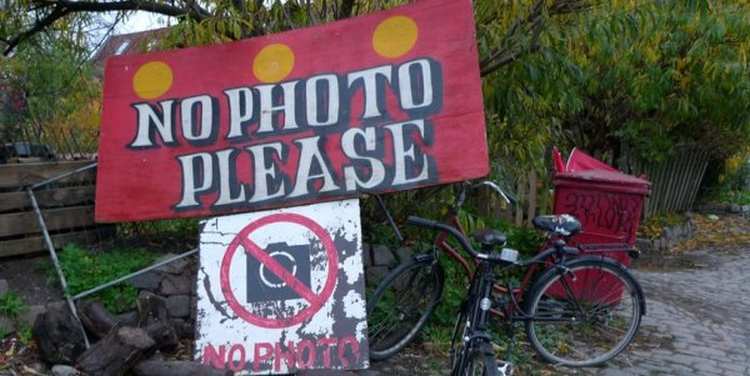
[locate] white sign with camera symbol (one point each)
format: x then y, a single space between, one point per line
283 290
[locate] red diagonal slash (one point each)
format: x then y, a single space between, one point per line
255 251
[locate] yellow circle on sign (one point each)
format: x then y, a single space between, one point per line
152 80
395 36
273 63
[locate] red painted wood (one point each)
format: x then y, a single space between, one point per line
146 183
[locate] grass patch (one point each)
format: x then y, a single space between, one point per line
85 270
11 305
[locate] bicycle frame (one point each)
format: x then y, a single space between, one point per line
441 242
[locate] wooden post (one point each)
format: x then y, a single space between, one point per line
531 210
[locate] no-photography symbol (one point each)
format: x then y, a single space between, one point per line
314 300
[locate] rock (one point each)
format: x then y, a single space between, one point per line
745 209
4 287
176 285
734 208
63 370
178 266
404 254
117 352
712 217
374 274
58 335
382 256
151 308
95 318
178 306
29 315
366 255
127 318
147 281
164 335
184 329
176 368
644 245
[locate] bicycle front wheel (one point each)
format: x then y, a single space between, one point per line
583 314
402 304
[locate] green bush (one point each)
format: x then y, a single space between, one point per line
11 305
85 270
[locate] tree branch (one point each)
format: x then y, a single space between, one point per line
513 47
62 8
56 14
345 11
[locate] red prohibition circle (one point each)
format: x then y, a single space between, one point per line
315 304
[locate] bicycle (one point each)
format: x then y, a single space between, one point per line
422 279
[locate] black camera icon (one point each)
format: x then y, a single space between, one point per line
263 285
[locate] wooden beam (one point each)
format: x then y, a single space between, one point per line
56 219
16 175
36 244
52 198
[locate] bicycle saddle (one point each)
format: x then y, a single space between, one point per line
563 224
489 237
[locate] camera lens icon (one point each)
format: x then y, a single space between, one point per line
262 271
263 285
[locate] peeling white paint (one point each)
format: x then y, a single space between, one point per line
341 221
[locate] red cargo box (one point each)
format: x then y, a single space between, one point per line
608 203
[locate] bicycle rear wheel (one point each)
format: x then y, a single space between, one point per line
402 304
586 315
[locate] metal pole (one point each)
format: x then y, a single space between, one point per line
131 275
65 175
390 218
56 262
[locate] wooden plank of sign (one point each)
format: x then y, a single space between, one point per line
36 243
20 174
15 201
56 219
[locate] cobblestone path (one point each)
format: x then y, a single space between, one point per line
698 320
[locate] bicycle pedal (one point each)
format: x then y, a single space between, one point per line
504 368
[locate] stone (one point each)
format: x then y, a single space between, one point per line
404 254
712 217
95 318
176 285
164 335
64 370
184 329
176 368
382 256
147 281
117 352
4 287
127 318
366 255
178 266
29 315
178 306
58 335
734 208
374 274
151 308
745 209
644 245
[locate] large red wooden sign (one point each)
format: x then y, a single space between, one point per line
380 103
